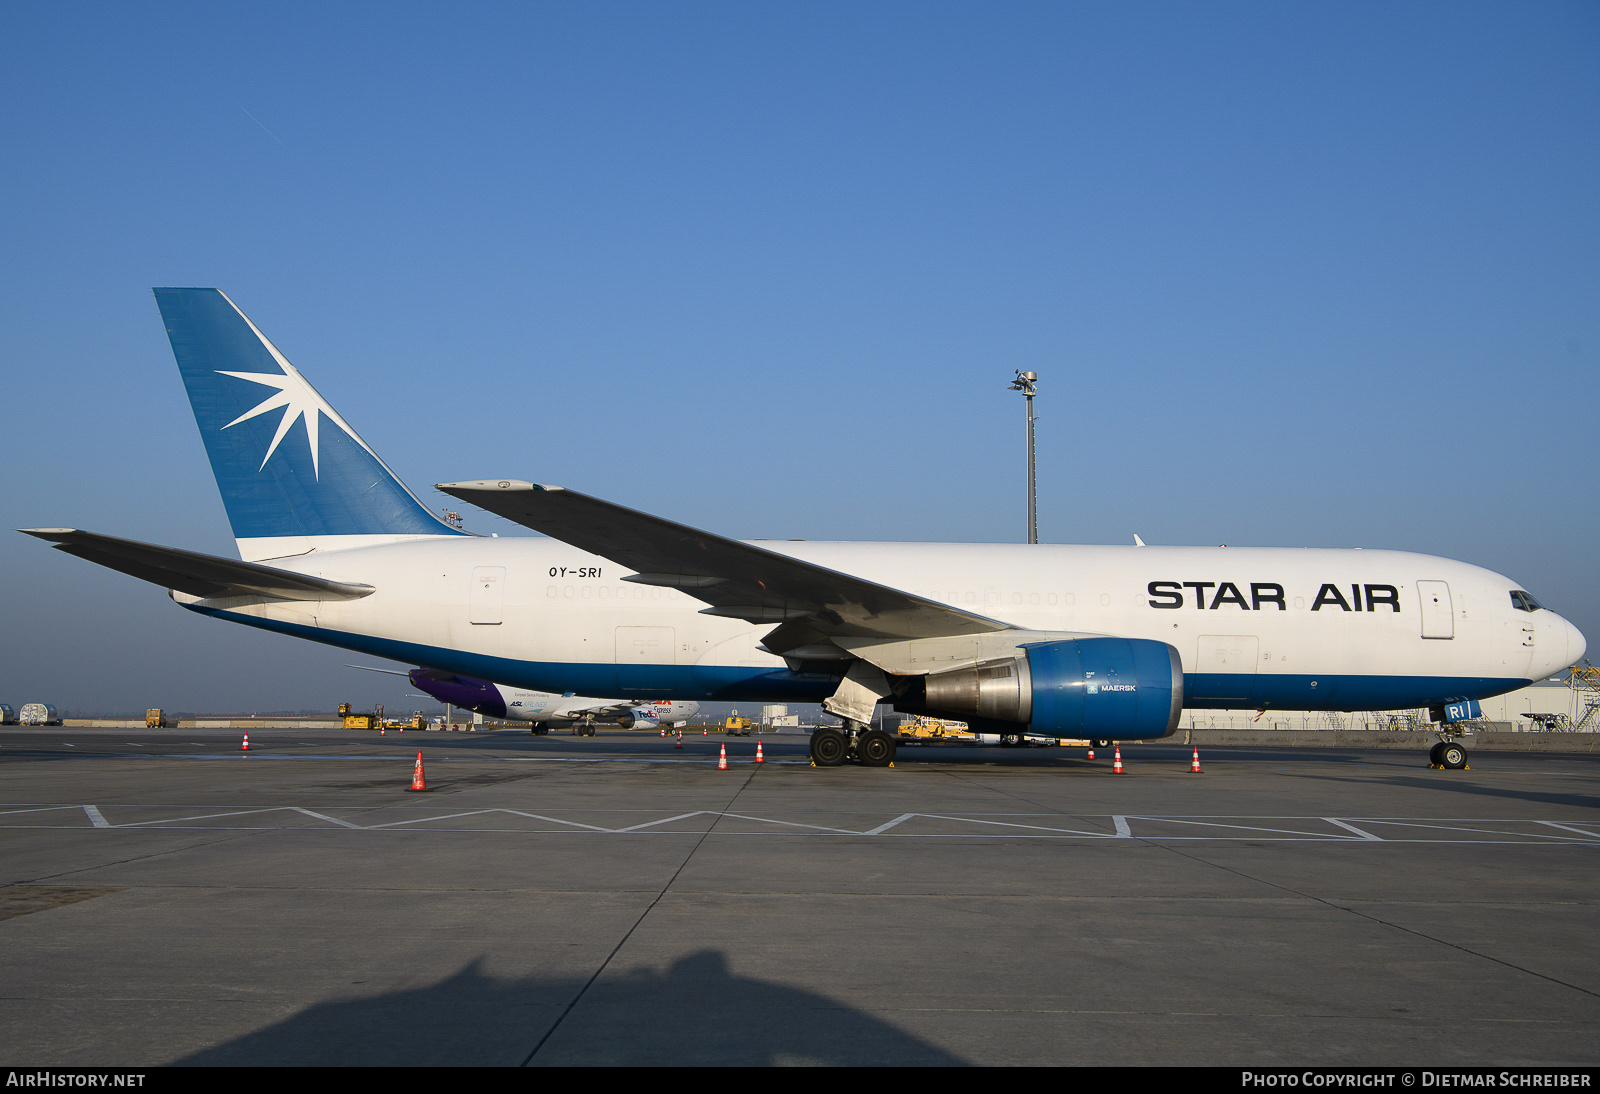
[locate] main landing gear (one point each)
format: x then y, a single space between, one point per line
867 746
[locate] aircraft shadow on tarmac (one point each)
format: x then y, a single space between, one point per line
696 1013
1451 784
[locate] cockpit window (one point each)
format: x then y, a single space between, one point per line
1524 602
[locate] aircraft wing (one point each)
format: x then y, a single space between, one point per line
737 579
199 575
599 710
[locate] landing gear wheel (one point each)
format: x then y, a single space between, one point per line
1433 754
828 748
875 748
1453 756
1102 743
1010 740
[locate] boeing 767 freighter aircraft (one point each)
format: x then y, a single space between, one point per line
1081 642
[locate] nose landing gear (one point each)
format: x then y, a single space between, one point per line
1449 755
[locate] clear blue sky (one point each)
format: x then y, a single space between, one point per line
1291 274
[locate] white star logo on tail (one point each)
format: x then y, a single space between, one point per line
299 400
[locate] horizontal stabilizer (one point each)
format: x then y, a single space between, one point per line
736 579
206 576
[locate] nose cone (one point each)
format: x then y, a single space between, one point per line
1576 646
1560 644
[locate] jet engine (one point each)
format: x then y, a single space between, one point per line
643 717
1094 688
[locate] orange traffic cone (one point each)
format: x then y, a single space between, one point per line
246 746
663 731
759 758
722 761
418 782
382 732
1091 752
680 740
1194 768
1116 768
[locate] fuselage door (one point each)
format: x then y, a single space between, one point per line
1438 615
646 659
488 589
1226 666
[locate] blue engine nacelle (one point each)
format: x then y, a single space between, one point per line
1095 688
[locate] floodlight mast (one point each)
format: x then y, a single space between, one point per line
1027 383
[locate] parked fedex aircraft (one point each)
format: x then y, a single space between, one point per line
544 709
1083 642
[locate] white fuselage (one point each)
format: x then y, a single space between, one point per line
524 705
1254 627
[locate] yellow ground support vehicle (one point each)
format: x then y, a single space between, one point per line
361 721
155 718
738 727
920 727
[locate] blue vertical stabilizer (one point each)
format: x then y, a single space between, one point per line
286 463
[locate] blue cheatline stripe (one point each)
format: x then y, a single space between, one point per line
726 682
344 490
1319 692
744 684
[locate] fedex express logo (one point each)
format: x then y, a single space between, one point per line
1212 595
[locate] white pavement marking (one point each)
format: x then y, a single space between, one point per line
1475 831
979 826
324 816
203 816
668 820
1352 828
796 824
481 812
1569 828
882 828
1121 825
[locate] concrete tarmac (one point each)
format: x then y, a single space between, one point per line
167 899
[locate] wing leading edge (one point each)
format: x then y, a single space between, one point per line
737 579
